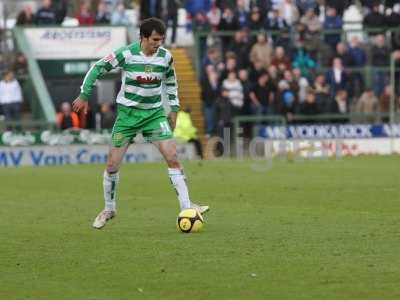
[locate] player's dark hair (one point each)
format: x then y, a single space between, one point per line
152 24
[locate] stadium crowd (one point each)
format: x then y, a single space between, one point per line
291 57
282 57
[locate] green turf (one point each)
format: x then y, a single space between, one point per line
300 230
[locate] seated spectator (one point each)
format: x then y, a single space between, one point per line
102 14
26 16
240 47
261 51
332 21
66 118
368 104
309 107
119 16
84 15
10 97
286 103
186 132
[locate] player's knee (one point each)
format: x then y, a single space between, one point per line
112 167
173 162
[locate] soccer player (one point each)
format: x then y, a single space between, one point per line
147 73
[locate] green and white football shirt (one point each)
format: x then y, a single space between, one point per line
145 79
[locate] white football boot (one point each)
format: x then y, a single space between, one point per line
102 218
200 208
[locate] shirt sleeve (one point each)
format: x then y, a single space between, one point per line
106 64
172 86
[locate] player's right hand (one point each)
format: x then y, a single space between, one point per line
80 105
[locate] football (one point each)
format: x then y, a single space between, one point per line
189 220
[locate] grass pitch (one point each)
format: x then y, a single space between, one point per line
299 230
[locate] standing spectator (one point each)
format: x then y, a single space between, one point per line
186 132
359 59
84 15
232 90
10 97
66 118
261 51
242 13
393 20
256 21
286 103
25 17
214 17
228 23
210 92
150 8
309 107
340 105
47 14
170 16
332 22
303 61
380 58
107 116
240 47
384 101
322 94
288 10
20 65
374 19
262 96
102 14
302 83
336 77
367 104
280 60
343 53
119 16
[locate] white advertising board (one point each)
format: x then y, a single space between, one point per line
81 154
75 42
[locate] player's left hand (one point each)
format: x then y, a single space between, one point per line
172 119
80 105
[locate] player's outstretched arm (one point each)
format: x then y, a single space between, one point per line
80 105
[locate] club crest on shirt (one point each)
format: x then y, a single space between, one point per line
148 68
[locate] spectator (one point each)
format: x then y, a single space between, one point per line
311 21
25 17
332 22
20 65
309 107
261 51
359 60
367 104
48 14
262 96
210 92
336 78
232 90
374 19
66 118
186 132
288 10
343 53
303 62
119 16
242 13
340 105
256 21
280 60
384 101
151 8
240 47
286 103
305 5
228 23
322 94
214 17
10 97
107 116
302 83
393 20
102 14
84 15
170 16
380 58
